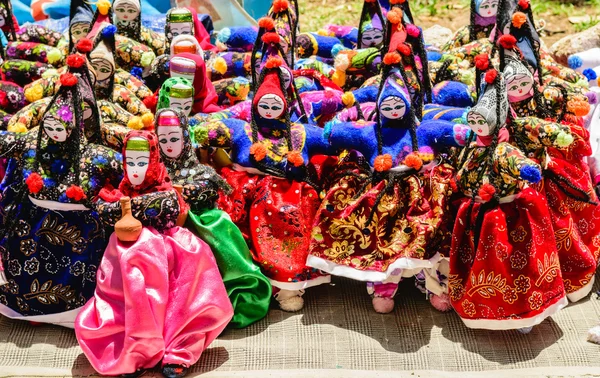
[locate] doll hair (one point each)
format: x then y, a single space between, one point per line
472 33
418 46
363 13
419 95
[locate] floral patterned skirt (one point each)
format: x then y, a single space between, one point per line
512 278
275 216
356 236
50 263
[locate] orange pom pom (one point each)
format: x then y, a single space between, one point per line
394 2
274 62
413 161
266 23
383 163
507 41
34 183
75 60
76 193
280 5
394 16
271 37
259 151
490 76
482 62
519 19
392 58
486 192
404 49
578 107
68 79
370 1
295 157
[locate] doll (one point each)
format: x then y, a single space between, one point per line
184 21
177 93
139 314
80 20
60 239
128 17
192 67
483 19
370 29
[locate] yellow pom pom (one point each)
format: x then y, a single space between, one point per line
348 99
54 56
49 73
147 58
135 123
148 120
103 7
34 93
339 78
18 127
220 65
325 33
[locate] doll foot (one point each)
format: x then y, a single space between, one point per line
290 300
525 330
441 302
174 371
135 374
594 335
383 305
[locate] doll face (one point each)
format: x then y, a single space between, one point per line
178 28
183 104
488 8
270 106
102 68
392 108
372 37
87 111
55 129
519 86
79 30
126 11
170 140
478 124
137 166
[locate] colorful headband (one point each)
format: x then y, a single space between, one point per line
179 92
183 66
184 16
168 120
178 49
137 144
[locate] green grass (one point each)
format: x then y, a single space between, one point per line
587 24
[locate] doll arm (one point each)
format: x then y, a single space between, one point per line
153 39
28 117
440 134
200 194
537 133
113 112
512 165
132 83
316 144
359 136
130 53
113 135
126 98
39 34
45 86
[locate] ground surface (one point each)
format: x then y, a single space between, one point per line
453 14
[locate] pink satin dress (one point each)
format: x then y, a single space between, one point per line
159 298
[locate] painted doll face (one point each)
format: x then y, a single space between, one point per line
183 104
178 28
55 129
392 108
519 86
79 30
87 111
372 37
126 11
478 124
103 68
488 8
170 140
270 106
137 166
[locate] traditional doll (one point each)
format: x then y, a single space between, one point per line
128 18
272 202
285 22
50 222
80 20
141 314
177 93
185 43
379 227
482 22
180 21
249 290
192 67
504 266
370 29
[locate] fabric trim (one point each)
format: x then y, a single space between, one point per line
58 206
302 284
63 319
581 293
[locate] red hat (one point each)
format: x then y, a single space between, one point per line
270 85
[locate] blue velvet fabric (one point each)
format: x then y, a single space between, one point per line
444 113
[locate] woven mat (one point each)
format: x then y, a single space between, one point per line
339 330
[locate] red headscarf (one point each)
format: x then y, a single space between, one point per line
201 34
205 96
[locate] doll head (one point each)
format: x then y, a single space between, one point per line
59 120
491 111
371 25
78 30
102 59
179 21
136 160
270 106
170 133
126 10
486 8
393 102
519 81
185 44
269 101
177 93
182 67
56 129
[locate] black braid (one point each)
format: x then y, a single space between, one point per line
579 195
257 43
418 95
472 33
407 11
443 73
359 113
10 21
425 79
292 45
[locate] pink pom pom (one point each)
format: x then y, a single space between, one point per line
441 302
412 30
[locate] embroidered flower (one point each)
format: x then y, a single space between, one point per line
518 235
501 251
535 300
28 247
509 295
65 113
469 308
518 260
90 273
11 287
32 266
14 267
77 269
339 250
522 284
23 228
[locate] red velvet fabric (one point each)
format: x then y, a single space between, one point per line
201 34
205 96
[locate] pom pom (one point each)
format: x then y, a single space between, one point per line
404 49
519 19
49 74
524 4
34 93
295 157
109 31
137 72
490 76
335 50
148 120
103 7
392 58
412 30
75 61
383 163
592 97
394 2
224 35
434 56
413 161
259 151
382 305
75 193
18 127
266 23
564 139
486 192
590 74
34 183
147 58
507 41
574 62
84 45
531 173
220 65
341 63
394 16
578 107
150 101
441 302
135 123
54 56
270 37
482 62
348 99
68 79
274 62
280 6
